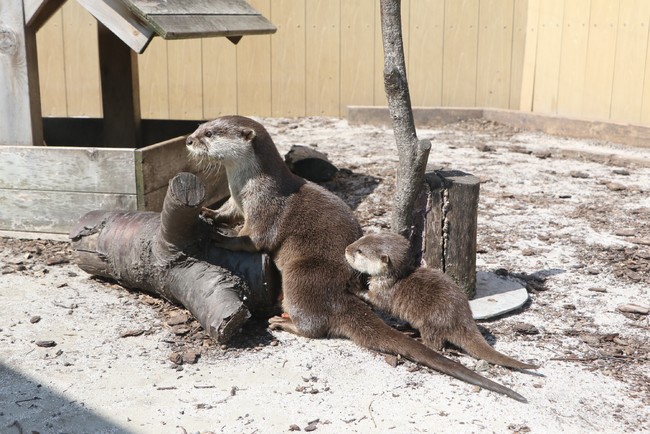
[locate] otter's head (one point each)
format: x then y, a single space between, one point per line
380 254
226 139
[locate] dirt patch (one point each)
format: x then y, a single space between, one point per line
567 218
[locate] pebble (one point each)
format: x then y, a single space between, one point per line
642 241
481 366
597 289
615 186
625 232
46 344
34 319
621 172
294 427
525 328
633 308
577 174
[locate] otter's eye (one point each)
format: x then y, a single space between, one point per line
208 133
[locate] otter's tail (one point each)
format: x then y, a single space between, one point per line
367 330
473 342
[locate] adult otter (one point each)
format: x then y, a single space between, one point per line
305 229
425 297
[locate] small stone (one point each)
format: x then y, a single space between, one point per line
642 241
542 155
564 196
177 318
34 319
525 329
481 366
180 330
485 147
622 172
56 260
132 332
294 427
311 427
569 307
45 344
577 174
633 308
625 232
615 186
528 252
190 357
176 358
597 289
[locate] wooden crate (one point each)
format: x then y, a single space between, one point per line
46 189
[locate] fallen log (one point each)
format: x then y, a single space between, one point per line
170 254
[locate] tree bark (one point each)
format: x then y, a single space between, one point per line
170 254
409 204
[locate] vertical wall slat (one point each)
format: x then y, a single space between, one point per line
357 53
549 48
288 58
154 81
460 53
254 70
425 65
629 67
494 53
51 65
519 19
219 77
575 36
601 52
81 53
185 79
322 59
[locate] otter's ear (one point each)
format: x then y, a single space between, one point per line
385 259
248 134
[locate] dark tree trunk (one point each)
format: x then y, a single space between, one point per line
169 254
410 200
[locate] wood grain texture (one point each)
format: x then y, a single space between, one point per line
601 54
154 81
530 57
80 49
51 64
200 26
288 70
219 77
575 35
357 53
519 32
322 59
494 53
54 211
185 79
629 65
94 170
426 35
184 7
254 70
547 64
460 53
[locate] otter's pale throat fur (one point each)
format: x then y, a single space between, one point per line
305 229
425 297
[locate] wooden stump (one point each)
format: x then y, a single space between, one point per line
450 226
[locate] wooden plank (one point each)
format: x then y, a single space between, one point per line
494 53
519 20
219 77
185 79
120 93
423 116
54 211
426 52
154 81
38 12
630 60
161 162
322 60
547 64
460 53
51 64
201 26
645 106
530 56
120 20
601 53
288 88
94 170
81 66
184 7
254 70
20 103
575 37
357 50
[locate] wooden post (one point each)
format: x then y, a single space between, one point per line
20 101
118 66
450 228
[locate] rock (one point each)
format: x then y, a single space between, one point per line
481 366
633 308
34 319
176 318
597 289
641 241
46 344
311 427
176 358
577 174
625 232
525 328
131 332
622 172
294 427
615 186
190 357
310 164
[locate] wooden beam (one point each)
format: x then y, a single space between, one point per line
37 12
118 67
120 20
20 102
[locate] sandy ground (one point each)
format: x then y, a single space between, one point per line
567 218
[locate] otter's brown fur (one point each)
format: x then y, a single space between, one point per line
425 297
305 229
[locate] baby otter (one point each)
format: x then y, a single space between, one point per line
427 298
305 229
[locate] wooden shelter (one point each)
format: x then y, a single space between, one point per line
100 178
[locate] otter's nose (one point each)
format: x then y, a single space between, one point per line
189 141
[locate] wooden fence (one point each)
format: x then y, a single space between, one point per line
584 58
